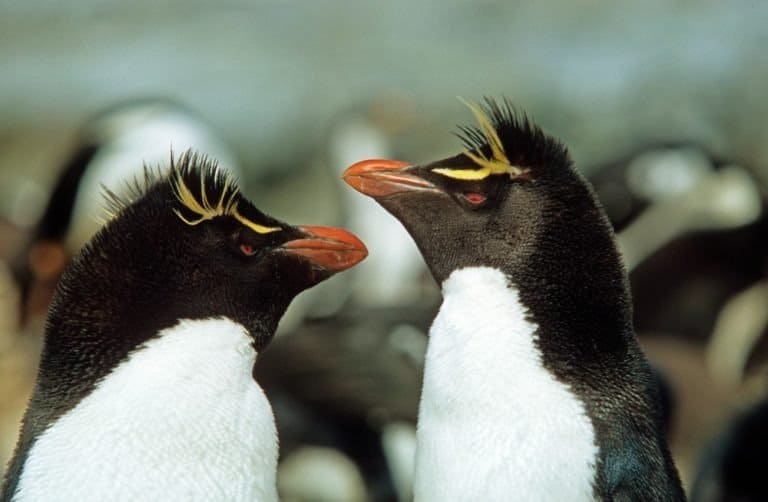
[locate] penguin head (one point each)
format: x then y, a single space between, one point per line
494 204
190 246
110 147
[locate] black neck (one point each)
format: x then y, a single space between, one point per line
575 285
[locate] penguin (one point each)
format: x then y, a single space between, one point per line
110 147
535 387
145 387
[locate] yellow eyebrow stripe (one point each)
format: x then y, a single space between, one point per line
497 164
464 174
206 211
259 229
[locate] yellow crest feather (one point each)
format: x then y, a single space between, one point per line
498 163
225 206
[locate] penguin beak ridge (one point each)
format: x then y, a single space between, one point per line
380 178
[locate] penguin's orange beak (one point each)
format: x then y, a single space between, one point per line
331 248
380 178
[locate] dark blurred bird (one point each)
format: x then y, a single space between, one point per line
631 182
145 387
733 466
340 382
694 235
693 231
534 384
111 147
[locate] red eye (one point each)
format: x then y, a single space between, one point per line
475 197
247 249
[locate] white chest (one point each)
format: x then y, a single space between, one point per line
182 419
494 424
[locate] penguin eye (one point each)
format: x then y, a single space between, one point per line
247 249
474 198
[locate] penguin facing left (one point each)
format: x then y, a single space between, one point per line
535 387
145 387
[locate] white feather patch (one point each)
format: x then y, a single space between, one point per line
494 424
181 419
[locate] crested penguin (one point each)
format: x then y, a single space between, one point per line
145 387
535 387
110 147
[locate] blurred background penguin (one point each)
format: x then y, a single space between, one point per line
662 108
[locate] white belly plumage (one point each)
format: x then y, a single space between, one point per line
181 419
494 424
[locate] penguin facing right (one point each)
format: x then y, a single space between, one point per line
535 387
111 146
145 387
